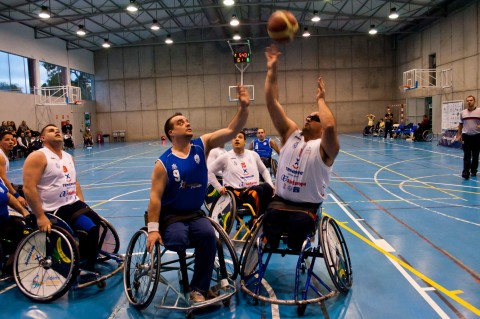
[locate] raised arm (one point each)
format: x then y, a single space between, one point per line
222 136
329 146
33 169
159 182
284 125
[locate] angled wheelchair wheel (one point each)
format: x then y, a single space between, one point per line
108 241
226 261
142 270
223 211
427 135
335 254
210 197
46 264
249 255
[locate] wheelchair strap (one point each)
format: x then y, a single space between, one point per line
281 204
169 217
79 213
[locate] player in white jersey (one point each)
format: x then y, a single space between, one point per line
6 145
304 166
51 186
241 170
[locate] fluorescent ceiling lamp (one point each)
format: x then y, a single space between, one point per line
315 17
228 2
106 43
168 40
306 34
372 29
393 14
237 36
132 7
234 22
44 13
81 31
155 26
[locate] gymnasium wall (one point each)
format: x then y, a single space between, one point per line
455 42
18 39
139 87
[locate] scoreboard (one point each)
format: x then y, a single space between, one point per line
241 57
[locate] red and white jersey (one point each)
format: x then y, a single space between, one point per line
57 186
302 176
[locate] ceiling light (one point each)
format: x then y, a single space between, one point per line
132 7
393 14
106 43
237 36
155 26
81 31
306 34
372 29
44 13
228 2
168 40
315 17
234 22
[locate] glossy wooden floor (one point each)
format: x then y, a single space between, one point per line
412 226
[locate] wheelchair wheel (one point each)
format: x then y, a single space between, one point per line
427 135
335 254
109 241
274 167
226 261
46 264
223 211
210 197
142 270
249 255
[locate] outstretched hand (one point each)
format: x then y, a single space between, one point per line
272 53
243 95
320 89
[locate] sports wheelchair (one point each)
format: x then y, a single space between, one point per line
47 265
423 135
144 272
308 288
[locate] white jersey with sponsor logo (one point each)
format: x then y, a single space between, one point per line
213 155
7 161
57 187
302 176
239 171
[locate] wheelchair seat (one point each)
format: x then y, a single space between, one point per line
308 285
146 272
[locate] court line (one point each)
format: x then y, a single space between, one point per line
397 263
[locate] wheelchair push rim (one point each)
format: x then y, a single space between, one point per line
142 270
46 264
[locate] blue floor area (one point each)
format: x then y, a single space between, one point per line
412 226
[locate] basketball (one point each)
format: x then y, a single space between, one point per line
282 26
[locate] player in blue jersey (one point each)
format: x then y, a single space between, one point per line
264 146
179 182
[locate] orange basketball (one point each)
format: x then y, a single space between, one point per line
282 26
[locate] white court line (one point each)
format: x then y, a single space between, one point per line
7 289
405 274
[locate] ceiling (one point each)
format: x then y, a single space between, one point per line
189 21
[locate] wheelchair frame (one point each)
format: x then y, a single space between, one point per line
141 281
44 274
331 247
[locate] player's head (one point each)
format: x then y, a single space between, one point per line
177 125
260 134
6 141
239 141
470 100
312 125
50 134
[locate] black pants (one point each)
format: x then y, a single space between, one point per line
388 129
471 149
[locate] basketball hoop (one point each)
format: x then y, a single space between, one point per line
404 88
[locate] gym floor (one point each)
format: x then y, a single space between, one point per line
410 221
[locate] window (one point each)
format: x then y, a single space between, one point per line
16 73
52 75
85 82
